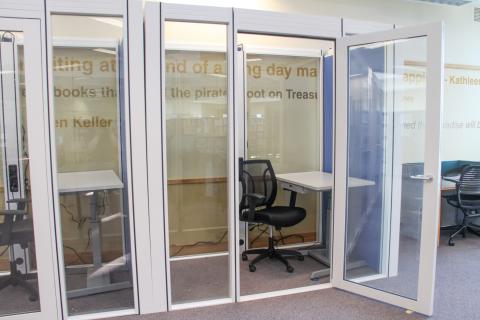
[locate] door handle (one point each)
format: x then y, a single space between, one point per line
424 177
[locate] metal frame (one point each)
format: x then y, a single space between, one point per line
101 8
36 100
434 34
242 51
155 16
279 24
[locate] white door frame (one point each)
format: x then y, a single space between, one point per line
37 133
155 16
133 163
429 230
279 24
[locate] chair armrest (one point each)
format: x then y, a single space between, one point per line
11 212
255 196
253 199
17 200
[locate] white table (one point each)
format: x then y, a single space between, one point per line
449 183
98 280
316 181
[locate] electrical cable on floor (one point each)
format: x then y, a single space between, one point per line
258 235
198 243
281 239
80 222
76 253
3 252
89 233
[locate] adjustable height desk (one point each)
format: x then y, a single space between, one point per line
316 181
98 276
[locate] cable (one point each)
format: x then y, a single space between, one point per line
76 253
282 238
3 252
89 233
258 235
199 242
72 216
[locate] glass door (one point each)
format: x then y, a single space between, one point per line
27 279
190 150
284 114
387 165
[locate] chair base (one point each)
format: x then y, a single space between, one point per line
18 279
463 229
272 253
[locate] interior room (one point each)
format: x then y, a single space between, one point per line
160 156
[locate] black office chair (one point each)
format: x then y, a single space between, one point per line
259 187
16 229
467 199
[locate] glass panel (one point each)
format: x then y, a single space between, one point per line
285 124
386 117
18 275
90 148
196 119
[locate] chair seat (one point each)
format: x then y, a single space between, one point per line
22 231
280 216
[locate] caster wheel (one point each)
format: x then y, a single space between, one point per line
244 257
451 244
33 298
300 258
252 268
290 269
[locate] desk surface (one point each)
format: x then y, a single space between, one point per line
88 181
318 180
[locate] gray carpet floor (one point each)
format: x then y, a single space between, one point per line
456 297
14 300
210 277
456 294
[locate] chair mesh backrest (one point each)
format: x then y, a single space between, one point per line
468 187
257 176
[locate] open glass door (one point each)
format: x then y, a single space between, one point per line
388 117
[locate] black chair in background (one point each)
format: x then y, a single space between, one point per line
467 199
259 187
16 229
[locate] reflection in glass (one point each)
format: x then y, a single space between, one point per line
196 119
18 277
386 116
284 123
92 181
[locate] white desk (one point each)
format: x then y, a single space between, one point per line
316 181
449 183
69 182
98 280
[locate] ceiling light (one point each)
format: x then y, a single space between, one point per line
108 51
111 21
449 2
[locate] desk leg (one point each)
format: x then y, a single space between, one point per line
293 199
325 213
96 234
98 276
